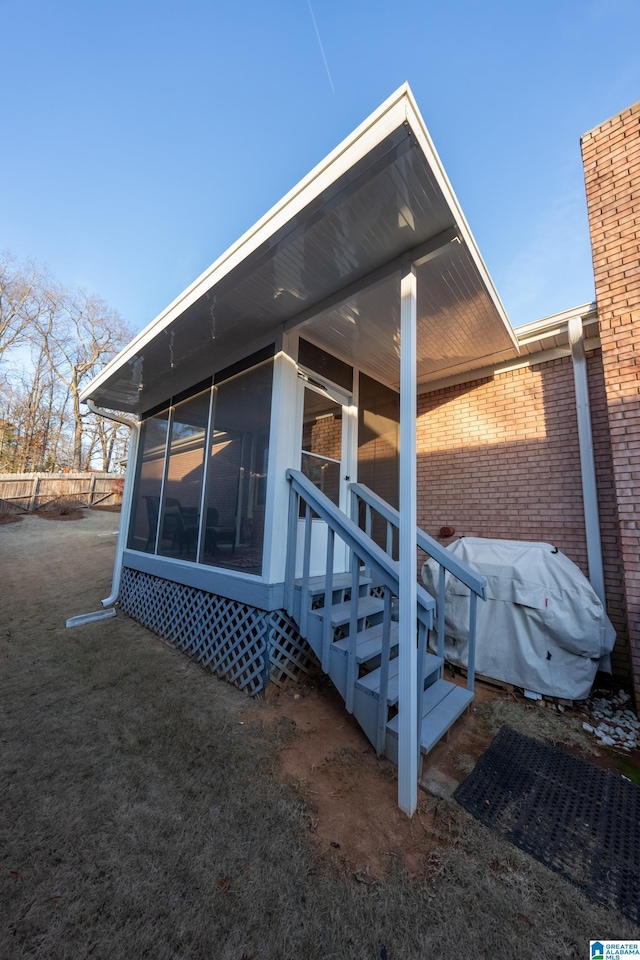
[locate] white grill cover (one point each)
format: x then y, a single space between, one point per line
542 626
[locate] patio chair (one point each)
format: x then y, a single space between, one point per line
153 504
215 534
172 522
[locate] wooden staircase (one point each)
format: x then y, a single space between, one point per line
370 687
347 620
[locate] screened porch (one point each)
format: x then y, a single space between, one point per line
293 364
201 478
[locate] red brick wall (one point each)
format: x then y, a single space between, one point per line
324 437
499 457
379 439
379 450
611 157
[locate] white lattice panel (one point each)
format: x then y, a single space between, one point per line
237 642
289 654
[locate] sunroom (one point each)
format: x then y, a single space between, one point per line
273 460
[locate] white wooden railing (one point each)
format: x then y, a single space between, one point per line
364 554
475 582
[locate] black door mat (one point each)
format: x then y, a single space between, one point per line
575 818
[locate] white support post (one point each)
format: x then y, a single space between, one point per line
408 686
284 448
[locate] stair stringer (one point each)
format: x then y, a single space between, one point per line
442 703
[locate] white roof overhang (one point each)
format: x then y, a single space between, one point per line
540 342
327 259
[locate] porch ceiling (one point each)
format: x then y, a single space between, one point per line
319 260
457 324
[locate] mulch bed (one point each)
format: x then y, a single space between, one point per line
52 515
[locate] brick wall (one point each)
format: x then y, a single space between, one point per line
379 450
323 436
611 157
499 457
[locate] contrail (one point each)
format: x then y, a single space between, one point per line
315 27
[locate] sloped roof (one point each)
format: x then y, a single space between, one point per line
326 259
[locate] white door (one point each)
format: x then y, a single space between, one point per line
324 459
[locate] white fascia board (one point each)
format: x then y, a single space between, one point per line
383 121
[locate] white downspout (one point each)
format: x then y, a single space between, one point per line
587 465
127 495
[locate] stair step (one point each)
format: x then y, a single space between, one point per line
313 597
442 703
370 683
368 643
341 612
340 581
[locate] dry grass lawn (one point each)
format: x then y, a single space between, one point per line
144 813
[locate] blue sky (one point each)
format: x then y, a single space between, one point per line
141 138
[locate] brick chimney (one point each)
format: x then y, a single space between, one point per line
611 158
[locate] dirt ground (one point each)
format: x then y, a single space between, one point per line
357 822
150 810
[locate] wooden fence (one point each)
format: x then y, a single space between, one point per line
29 491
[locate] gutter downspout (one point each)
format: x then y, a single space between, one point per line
587 466
127 493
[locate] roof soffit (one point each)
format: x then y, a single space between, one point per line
381 202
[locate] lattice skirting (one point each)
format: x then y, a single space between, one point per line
236 641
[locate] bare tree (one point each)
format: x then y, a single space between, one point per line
85 335
69 336
19 302
31 409
105 442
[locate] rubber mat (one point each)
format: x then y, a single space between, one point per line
575 818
